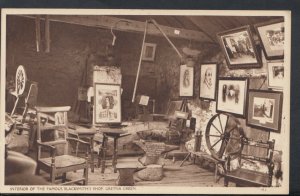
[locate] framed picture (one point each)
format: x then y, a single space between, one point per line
264 109
275 75
232 96
149 52
186 81
239 48
271 35
208 81
107 103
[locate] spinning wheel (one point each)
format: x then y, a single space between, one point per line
20 80
224 135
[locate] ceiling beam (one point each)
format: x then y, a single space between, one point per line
108 22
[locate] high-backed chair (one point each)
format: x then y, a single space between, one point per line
54 137
255 168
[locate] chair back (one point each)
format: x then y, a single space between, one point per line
52 127
258 150
31 99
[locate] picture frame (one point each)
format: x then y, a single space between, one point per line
271 36
208 81
107 103
149 52
239 48
186 81
232 95
276 75
265 110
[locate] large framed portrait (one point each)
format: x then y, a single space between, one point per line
208 81
265 110
271 35
107 103
186 81
232 96
239 48
276 75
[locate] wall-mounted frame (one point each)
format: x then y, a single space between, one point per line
107 103
265 110
271 35
186 81
149 52
232 96
239 48
276 75
208 81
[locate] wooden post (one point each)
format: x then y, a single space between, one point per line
37 32
47 34
140 62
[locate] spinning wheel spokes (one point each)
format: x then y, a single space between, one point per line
20 80
223 135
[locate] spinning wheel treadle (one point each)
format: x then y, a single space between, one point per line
224 135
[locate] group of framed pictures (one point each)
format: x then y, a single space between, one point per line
240 49
261 108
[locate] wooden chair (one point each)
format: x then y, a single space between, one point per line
247 173
57 143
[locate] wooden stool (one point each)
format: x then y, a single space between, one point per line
126 171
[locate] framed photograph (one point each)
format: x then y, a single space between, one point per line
149 52
107 103
232 96
265 110
208 81
186 81
275 75
271 35
239 48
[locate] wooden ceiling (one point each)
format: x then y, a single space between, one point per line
209 25
199 28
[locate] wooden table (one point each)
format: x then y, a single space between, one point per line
88 134
114 133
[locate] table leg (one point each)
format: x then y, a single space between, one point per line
92 153
115 154
102 154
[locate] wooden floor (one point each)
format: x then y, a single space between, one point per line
188 175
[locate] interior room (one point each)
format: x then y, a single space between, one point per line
146 100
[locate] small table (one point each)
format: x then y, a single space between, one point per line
114 133
89 134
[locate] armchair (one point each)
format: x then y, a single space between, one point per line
255 168
53 136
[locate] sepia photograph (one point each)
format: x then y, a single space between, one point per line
232 95
265 109
208 81
104 101
275 75
239 48
186 82
271 35
107 103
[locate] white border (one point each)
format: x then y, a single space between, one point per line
179 190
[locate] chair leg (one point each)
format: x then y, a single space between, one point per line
37 171
52 177
86 175
225 182
64 177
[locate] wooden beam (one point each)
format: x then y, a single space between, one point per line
108 22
